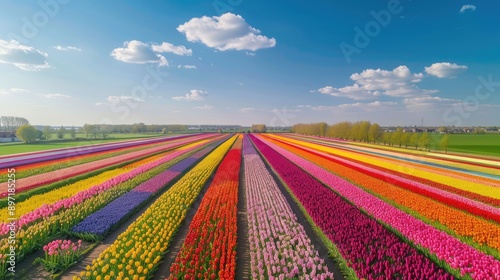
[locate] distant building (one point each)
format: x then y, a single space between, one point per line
8 136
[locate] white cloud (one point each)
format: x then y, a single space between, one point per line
138 52
14 91
354 92
101 104
367 107
167 47
67 48
285 111
426 103
225 32
193 95
445 69
186 66
248 110
372 83
23 57
55 95
204 107
123 98
250 53
466 8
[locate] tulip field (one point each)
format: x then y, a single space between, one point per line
248 206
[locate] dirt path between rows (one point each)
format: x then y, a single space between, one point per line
243 247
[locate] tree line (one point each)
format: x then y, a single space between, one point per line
11 123
365 131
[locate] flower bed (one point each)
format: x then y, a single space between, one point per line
369 248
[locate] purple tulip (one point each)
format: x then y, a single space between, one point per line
370 249
456 253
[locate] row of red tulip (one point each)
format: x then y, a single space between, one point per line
209 250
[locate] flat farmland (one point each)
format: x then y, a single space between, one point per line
248 206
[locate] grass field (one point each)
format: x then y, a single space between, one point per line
484 144
19 147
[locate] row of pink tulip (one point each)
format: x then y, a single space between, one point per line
472 206
279 246
457 254
31 182
47 210
369 248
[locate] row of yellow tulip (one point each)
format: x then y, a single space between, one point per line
138 250
48 198
30 238
411 169
463 224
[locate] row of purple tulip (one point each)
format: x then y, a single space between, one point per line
49 209
417 186
24 159
371 250
447 248
279 246
103 220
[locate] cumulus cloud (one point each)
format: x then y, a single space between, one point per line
123 98
193 95
138 52
225 32
372 83
167 47
468 7
67 48
445 69
23 57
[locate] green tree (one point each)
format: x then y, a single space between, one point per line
444 143
27 133
61 132
405 139
424 140
396 137
47 132
387 138
414 140
374 133
87 129
258 128
72 133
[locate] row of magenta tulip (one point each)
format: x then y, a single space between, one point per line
454 200
138 251
279 245
370 249
102 221
463 180
35 181
28 239
474 231
115 177
10 161
470 164
209 249
28 170
446 248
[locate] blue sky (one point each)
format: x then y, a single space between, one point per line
70 62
